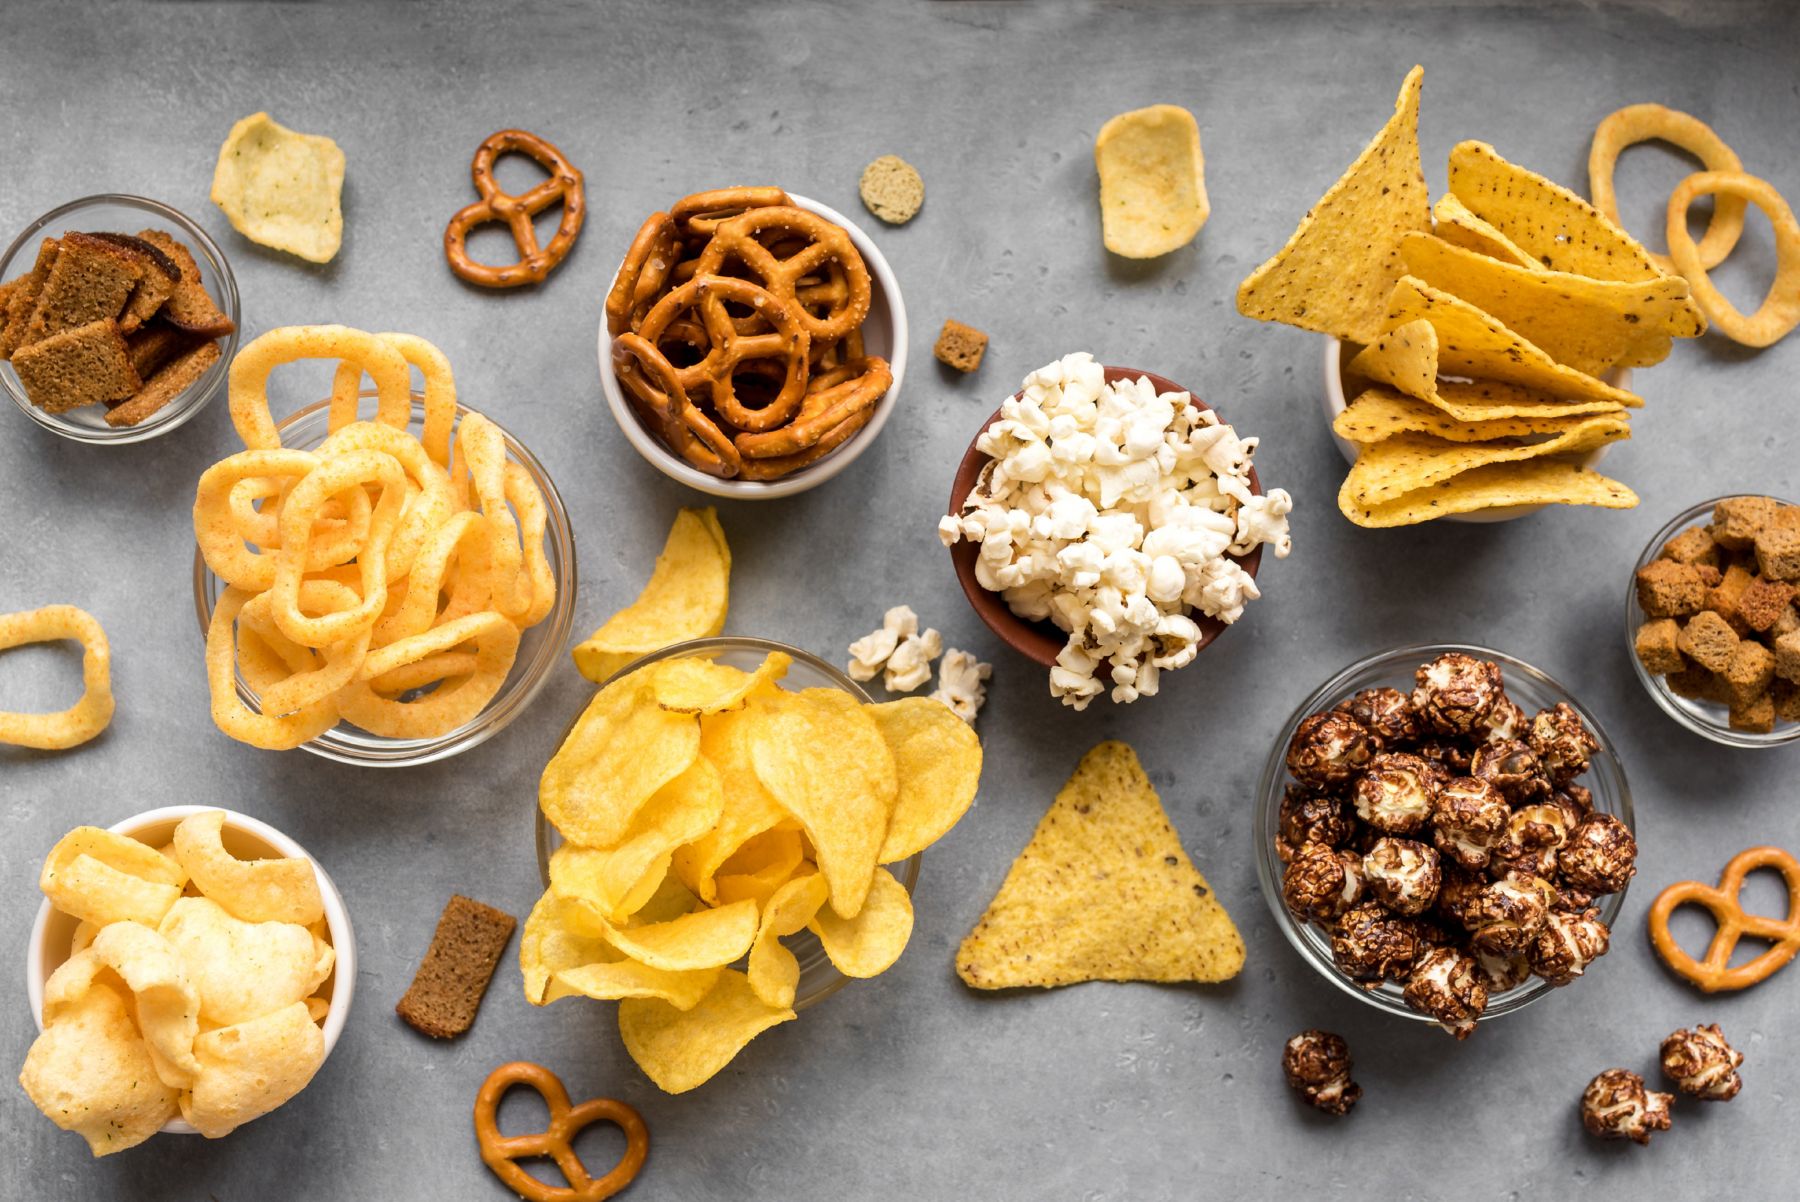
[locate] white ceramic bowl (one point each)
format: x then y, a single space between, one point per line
884 334
245 838
1335 402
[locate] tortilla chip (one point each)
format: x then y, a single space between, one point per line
1103 892
1405 463
1152 181
1589 325
1382 413
1453 222
1334 274
1534 482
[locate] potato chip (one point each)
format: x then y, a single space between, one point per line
749 810
830 768
99 877
937 761
243 970
1103 892
1384 412
165 1000
1779 312
1467 342
1152 181
707 938
761 866
1653 122
250 1068
1547 221
773 971
1589 325
621 979
90 1072
691 685
868 944
1408 462
547 946
1534 482
88 716
616 881
282 188
284 889
686 598
682 1049
1452 221
622 750
1337 268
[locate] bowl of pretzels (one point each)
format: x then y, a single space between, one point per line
753 342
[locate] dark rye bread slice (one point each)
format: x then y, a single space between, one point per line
446 991
154 287
190 307
23 298
167 384
84 366
156 344
90 281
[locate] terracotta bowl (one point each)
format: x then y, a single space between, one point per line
1042 640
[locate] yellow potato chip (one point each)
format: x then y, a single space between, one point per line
682 1049
829 767
773 972
547 946
243 970
90 1072
1337 268
1469 342
1547 221
1103 892
1452 221
623 749
1152 181
1383 412
617 881
937 761
749 808
686 598
165 1000
317 1007
1534 482
707 938
621 979
250 1068
1589 325
1408 462
691 685
868 944
101 877
760 867
282 188
284 889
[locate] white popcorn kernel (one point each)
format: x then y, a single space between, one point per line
949 530
1264 520
869 654
960 684
1166 580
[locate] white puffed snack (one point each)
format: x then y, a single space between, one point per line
899 647
910 664
961 684
1111 510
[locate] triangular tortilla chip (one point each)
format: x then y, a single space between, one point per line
1386 470
1103 892
1453 222
1535 482
1383 412
1589 325
1469 342
1335 271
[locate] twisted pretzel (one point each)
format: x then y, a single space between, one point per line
1713 973
839 394
727 348
698 217
535 263
501 1153
820 244
655 382
648 264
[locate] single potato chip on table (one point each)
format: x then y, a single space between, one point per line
687 597
1152 181
282 188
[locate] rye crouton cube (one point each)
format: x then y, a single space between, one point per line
1788 622
1737 519
960 346
1750 672
1708 640
1778 545
1657 647
84 366
1762 604
1786 696
1692 546
1724 597
1697 684
1666 589
1756 717
1787 656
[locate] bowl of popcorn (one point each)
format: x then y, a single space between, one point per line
1109 525
1713 617
1445 833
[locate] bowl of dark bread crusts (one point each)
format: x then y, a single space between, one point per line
118 319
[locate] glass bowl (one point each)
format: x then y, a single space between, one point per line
819 977
539 648
116 213
1708 719
1532 690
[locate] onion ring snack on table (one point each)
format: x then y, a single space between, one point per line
566 184
1637 123
1779 312
378 565
1119 512
1713 973
88 716
501 1153
736 323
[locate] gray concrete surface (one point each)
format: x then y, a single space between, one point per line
909 1086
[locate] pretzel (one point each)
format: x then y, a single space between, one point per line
822 244
501 1153
656 383
727 348
1714 974
845 391
642 276
698 217
565 184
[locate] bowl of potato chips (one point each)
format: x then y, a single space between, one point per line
190 970
729 832
463 686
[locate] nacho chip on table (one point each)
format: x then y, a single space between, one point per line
1382 412
1408 462
1337 268
1152 181
1496 486
686 597
1454 223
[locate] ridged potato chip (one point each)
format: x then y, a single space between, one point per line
283 889
706 938
1152 181
699 686
687 597
90 1072
88 716
1534 482
937 763
622 750
99 877
616 881
250 1068
772 970
548 945
868 944
281 188
682 1049
243 970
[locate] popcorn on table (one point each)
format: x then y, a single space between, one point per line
1110 509
961 684
900 650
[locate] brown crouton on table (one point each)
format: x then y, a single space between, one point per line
165 385
1666 589
84 366
1657 646
960 346
1708 640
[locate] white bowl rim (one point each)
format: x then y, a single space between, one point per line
337 921
1334 403
815 474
